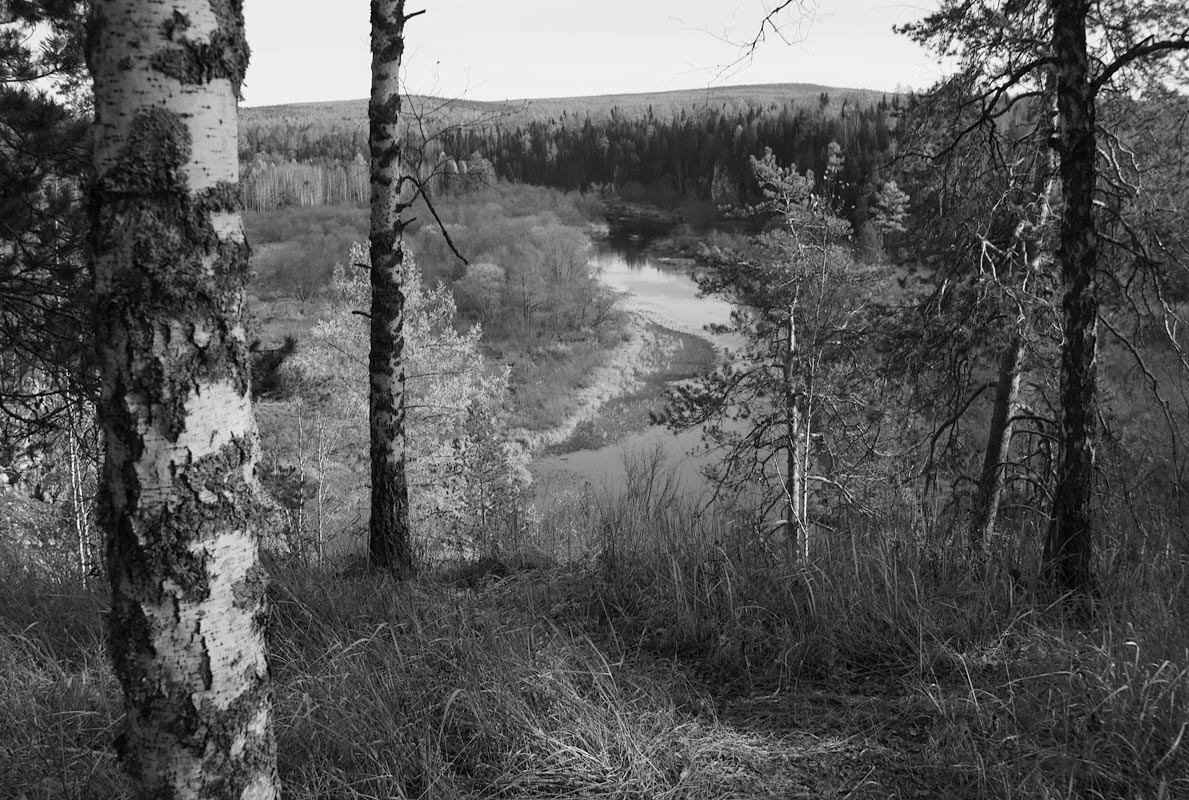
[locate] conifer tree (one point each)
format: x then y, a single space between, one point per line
764 408
46 368
1007 50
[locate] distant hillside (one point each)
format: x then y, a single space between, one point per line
664 104
349 113
661 147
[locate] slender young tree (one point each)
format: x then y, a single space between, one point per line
179 497
389 540
988 198
1028 255
763 409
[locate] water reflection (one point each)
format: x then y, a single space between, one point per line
629 237
668 296
629 246
664 293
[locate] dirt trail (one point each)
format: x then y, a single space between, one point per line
842 743
847 739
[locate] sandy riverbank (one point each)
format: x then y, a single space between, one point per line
645 350
664 340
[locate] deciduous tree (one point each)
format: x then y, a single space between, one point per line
179 497
389 538
465 475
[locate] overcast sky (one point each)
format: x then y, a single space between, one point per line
311 50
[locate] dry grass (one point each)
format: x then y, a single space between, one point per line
676 655
59 700
419 691
1006 692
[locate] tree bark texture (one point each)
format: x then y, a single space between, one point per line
1068 545
991 481
389 541
179 499
797 454
1031 241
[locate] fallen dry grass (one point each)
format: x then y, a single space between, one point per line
672 658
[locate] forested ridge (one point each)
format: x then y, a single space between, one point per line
754 441
283 129
668 148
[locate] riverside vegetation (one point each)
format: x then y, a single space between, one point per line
635 644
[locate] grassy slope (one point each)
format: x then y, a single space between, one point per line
683 663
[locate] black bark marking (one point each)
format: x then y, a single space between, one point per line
389 540
146 210
151 164
249 592
197 63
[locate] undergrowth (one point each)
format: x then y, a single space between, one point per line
614 672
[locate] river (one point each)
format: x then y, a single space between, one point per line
667 296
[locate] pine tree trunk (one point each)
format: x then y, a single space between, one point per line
179 499
993 477
389 544
1068 546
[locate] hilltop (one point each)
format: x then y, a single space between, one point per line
516 112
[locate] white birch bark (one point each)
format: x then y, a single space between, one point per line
389 545
178 495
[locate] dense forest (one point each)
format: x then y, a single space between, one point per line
691 152
888 395
702 154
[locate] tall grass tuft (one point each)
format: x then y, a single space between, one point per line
420 691
59 701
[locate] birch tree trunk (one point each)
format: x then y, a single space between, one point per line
179 497
797 457
1069 545
1032 240
389 545
991 481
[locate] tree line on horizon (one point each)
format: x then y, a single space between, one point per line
694 154
698 153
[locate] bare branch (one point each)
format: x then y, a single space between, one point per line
949 423
1146 48
441 225
769 25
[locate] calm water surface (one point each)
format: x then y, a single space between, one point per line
667 294
670 297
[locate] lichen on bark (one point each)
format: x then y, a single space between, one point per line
145 205
179 494
223 56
